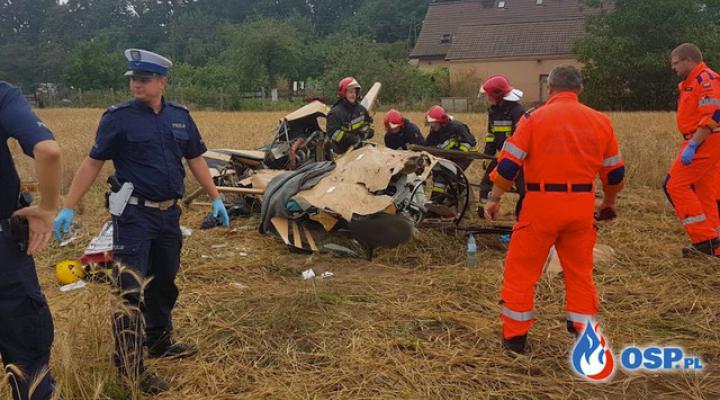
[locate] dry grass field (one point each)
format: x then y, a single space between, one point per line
414 323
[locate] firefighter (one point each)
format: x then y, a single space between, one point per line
147 139
503 116
27 327
693 181
400 132
348 122
562 147
448 133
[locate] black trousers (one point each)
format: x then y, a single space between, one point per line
26 326
147 242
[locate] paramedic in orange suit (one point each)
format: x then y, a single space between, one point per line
562 147
694 178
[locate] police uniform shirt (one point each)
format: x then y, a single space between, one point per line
147 148
409 134
19 122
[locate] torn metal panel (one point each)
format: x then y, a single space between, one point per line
314 109
371 96
355 186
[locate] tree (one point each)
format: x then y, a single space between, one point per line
345 54
194 38
264 50
389 21
627 52
23 20
93 66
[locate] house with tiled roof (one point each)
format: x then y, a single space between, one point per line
524 39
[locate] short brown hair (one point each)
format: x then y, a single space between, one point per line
687 51
565 77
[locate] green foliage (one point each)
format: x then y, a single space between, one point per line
627 54
223 50
346 55
262 51
93 66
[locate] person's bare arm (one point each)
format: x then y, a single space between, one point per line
701 134
199 168
40 218
83 180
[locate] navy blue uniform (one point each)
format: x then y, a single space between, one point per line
503 117
147 149
451 136
348 124
408 134
27 328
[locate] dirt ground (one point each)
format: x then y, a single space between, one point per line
414 323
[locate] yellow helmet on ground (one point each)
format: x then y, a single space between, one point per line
69 271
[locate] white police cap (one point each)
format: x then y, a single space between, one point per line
146 63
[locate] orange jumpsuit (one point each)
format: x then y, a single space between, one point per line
694 189
562 147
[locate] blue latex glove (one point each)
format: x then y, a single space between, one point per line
218 210
63 221
689 152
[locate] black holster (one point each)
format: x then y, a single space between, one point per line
19 230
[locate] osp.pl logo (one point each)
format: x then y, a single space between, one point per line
591 355
592 359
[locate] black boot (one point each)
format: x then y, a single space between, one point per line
571 329
161 345
516 344
152 384
172 350
706 248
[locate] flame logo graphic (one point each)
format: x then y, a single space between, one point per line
591 357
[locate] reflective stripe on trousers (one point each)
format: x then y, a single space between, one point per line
517 315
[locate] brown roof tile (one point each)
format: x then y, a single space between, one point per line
534 39
446 18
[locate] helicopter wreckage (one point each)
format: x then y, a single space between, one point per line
312 198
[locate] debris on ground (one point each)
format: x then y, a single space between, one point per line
339 250
73 286
235 211
602 253
68 241
186 232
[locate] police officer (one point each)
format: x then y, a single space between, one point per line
146 138
449 134
27 328
400 132
348 122
503 116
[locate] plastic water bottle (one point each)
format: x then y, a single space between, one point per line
471 260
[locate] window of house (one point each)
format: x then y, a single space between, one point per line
543 87
446 38
538 2
501 4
